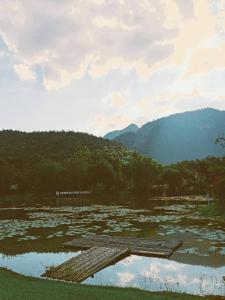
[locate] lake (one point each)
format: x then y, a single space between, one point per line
31 237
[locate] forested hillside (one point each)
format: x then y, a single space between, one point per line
184 136
49 145
35 160
46 162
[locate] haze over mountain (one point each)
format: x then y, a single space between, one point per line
183 136
113 134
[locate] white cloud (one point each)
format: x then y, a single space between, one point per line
102 122
63 35
113 62
25 72
125 278
74 37
112 23
118 100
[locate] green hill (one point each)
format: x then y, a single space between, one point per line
48 145
183 136
45 161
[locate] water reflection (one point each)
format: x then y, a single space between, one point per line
38 230
32 263
156 274
152 274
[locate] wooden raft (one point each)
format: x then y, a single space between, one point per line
137 246
86 264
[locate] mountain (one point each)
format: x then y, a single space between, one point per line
183 136
113 134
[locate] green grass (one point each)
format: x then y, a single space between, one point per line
16 287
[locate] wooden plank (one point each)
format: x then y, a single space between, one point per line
134 249
137 246
131 240
86 264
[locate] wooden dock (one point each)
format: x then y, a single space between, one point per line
104 251
136 246
86 264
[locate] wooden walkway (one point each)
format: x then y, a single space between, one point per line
86 264
137 246
104 251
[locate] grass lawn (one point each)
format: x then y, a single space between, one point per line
17 287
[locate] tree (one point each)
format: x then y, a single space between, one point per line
4 177
144 172
48 176
102 172
78 166
173 178
220 191
221 141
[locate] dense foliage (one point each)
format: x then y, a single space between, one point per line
46 162
221 140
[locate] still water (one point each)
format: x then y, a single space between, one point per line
31 237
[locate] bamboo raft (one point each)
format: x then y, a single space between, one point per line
136 246
104 251
86 264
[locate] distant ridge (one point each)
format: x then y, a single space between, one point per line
182 136
113 134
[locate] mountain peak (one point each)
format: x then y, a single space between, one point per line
113 134
131 127
183 136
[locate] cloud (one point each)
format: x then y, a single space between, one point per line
103 64
75 37
24 72
130 260
193 34
112 23
206 60
102 122
68 39
125 278
118 100
186 7
173 101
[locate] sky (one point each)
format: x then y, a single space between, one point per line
99 65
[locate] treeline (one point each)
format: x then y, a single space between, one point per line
46 162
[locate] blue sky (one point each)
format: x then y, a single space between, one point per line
99 65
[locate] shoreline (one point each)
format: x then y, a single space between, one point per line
22 287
